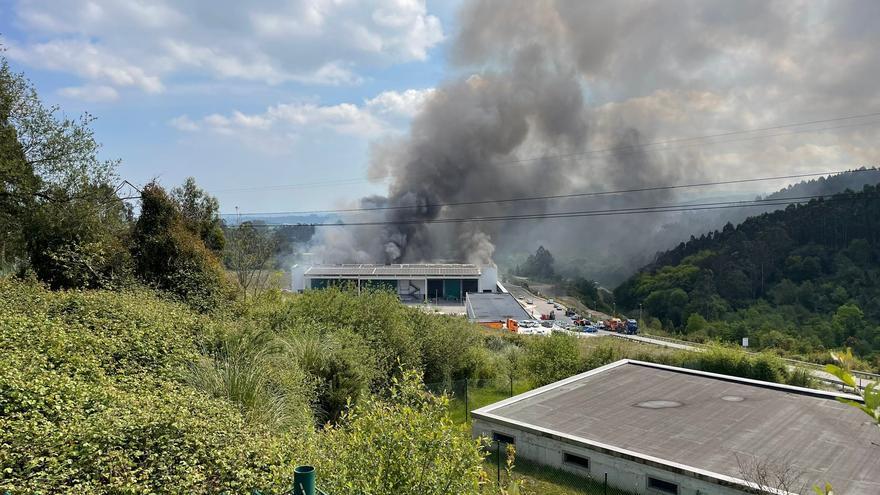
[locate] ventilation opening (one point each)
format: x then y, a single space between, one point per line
662 486
576 460
501 437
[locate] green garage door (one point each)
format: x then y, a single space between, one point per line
452 289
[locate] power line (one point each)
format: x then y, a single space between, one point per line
585 213
625 148
554 196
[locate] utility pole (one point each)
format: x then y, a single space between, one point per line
640 313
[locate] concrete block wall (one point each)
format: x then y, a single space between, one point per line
622 473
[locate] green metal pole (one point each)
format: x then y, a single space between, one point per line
304 480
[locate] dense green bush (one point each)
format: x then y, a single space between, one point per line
90 401
123 392
548 359
403 444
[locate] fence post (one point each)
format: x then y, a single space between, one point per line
498 455
466 408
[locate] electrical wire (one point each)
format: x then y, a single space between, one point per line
553 196
585 213
639 147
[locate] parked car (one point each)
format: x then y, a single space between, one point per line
529 301
600 325
550 301
590 329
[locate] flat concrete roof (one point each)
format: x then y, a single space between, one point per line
399 270
494 307
696 422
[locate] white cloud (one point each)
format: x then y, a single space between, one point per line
93 94
401 104
183 123
131 43
90 61
384 114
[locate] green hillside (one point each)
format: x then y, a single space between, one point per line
802 279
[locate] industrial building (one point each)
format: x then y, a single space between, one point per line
423 282
493 310
658 429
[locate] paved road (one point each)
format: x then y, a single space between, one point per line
539 305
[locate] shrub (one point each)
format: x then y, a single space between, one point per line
405 444
90 401
552 358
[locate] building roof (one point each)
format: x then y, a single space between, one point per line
399 270
698 423
494 307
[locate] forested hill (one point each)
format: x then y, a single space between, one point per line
853 180
807 277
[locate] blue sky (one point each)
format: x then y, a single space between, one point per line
259 94
236 100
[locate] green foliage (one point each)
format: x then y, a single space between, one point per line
58 207
538 266
90 402
870 403
802 280
403 444
201 213
80 242
552 358
171 257
248 251
18 181
253 369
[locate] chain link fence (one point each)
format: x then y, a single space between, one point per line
466 395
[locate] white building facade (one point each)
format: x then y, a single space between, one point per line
423 282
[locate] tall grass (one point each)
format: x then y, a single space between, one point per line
249 368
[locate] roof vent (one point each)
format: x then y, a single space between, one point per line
659 404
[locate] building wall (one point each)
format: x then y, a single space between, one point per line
297 278
488 278
622 473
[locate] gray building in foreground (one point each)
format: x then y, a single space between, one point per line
658 429
493 308
414 282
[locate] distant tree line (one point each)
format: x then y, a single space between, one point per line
803 279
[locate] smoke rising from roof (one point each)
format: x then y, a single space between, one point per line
553 77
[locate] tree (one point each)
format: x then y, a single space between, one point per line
512 358
81 243
248 253
57 201
172 258
200 212
771 475
18 182
849 323
538 265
